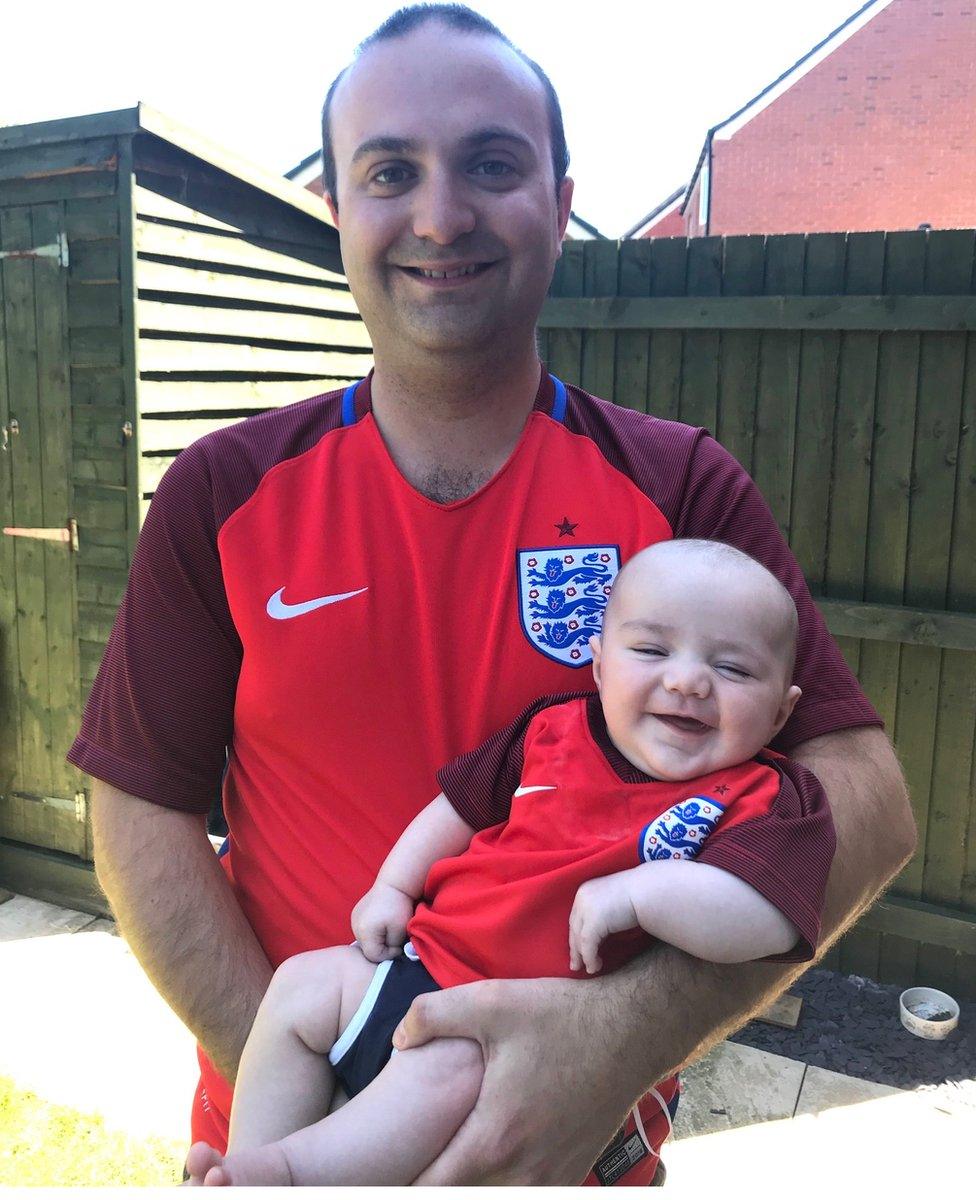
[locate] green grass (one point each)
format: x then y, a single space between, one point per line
44 1144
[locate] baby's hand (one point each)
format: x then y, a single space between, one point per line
379 921
602 906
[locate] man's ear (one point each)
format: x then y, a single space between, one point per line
333 208
790 698
564 207
596 648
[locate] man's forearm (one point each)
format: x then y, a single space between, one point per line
177 911
690 1004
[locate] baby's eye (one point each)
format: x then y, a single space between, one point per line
651 651
734 671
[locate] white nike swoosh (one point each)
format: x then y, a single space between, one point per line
524 791
281 611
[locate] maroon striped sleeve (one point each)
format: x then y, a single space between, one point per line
784 853
703 492
160 714
480 784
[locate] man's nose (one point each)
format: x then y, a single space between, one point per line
442 209
687 678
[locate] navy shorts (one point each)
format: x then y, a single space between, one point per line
366 1044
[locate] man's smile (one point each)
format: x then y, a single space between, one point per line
446 273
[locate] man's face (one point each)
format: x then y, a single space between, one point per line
691 669
446 205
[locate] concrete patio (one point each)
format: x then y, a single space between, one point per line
80 1025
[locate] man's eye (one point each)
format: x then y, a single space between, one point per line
391 176
494 168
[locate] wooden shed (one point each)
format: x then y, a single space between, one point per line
153 287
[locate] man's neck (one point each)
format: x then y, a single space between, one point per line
450 427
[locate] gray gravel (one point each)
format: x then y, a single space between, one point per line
851 1025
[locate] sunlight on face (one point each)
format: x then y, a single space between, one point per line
693 665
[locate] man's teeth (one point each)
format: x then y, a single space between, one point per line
448 274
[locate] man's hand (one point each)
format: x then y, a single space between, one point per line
550 1101
602 906
379 921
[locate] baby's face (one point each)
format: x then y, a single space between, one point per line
692 670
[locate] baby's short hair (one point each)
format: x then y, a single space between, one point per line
733 558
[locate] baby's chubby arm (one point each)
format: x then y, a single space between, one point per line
379 920
704 910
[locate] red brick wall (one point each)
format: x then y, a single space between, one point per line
880 135
672 224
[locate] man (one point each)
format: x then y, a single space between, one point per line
437 541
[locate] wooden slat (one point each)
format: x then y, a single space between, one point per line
62 716
633 346
177 435
699 370
95 385
669 258
94 261
152 238
97 347
566 345
816 402
899 624
26 463
873 313
10 736
94 305
186 281
743 273
212 397
65 158
776 394
90 218
918 921
59 187
151 203
162 355
100 508
255 324
599 279
844 562
948 265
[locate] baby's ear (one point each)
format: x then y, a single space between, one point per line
595 648
790 698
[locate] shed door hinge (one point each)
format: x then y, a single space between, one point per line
58 250
63 533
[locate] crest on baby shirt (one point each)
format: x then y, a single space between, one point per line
681 831
562 595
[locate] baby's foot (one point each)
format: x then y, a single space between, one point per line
264 1166
199 1161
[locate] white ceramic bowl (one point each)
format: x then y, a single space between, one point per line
924 998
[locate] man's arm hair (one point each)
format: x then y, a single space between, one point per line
177 911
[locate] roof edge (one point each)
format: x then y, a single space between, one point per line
781 78
655 212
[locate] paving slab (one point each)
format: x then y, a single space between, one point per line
736 1085
82 1026
22 917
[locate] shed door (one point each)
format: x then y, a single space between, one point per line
39 684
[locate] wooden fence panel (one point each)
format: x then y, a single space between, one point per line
845 382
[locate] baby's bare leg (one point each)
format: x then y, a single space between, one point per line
285 1081
392 1130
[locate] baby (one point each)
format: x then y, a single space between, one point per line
563 846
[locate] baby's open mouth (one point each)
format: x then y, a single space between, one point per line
685 724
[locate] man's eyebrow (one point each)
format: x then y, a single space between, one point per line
496 133
385 144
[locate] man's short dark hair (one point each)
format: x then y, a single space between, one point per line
464 20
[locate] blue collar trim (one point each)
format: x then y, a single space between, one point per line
559 402
349 403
